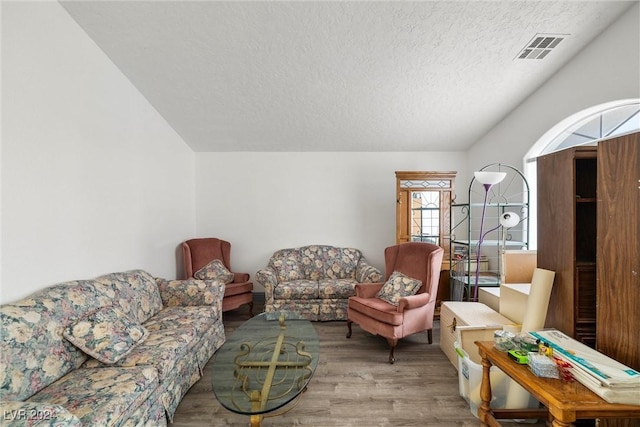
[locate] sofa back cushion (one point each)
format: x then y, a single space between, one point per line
33 351
286 264
328 262
315 262
136 292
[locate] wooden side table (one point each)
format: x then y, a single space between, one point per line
564 402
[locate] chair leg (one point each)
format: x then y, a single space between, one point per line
392 344
430 335
251 310
349 322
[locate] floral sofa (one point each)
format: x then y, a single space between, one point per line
118 350
316 281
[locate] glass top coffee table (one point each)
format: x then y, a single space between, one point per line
265 364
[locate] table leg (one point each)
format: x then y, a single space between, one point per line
485 390
255 420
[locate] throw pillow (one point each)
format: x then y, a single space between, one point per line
398 286
106 334
215 270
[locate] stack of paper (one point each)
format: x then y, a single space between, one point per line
608 378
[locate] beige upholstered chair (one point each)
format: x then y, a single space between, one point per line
200 252
413 313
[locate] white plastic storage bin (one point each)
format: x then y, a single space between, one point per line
505 392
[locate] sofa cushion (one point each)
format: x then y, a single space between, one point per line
101 397
215 270
106 334
162 349
34 352
336 288
201 318
191 292
296 289
377 309
397 286
328 262
286 264
136 293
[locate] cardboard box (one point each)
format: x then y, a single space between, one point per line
490 296
519 265
513 300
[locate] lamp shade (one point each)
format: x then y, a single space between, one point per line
489 178
509 219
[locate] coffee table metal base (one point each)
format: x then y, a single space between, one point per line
265 365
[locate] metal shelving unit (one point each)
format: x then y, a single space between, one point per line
510 195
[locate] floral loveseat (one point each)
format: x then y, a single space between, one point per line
316 281
118 350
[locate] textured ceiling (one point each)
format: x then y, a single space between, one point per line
336 76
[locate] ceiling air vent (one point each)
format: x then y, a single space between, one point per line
540 46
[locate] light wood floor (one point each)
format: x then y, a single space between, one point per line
354 385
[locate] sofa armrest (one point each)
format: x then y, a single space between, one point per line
269 280
191 292
18 413
366 273
368 290
413 301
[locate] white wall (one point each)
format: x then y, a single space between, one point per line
262 202
266 201
607 69
93 179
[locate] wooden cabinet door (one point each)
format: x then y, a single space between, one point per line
618 252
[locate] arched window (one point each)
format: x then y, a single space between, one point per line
583 128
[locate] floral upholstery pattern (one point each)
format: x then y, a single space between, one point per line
152 414
397 286
106 334
30 414
162 349
200 318
297 289
215 270
101 396
34 352
367 273
336 288
40 368
137 293
190 292
286 263
187 374
316 280
319 262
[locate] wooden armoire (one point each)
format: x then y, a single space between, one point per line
589 234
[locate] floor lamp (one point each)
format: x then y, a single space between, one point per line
488 179
507 220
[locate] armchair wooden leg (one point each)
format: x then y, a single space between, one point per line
349 322
430 335
392 344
